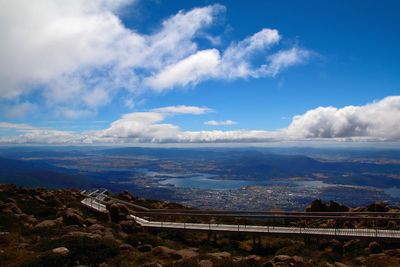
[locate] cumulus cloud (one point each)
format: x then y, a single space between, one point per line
377 121
219 123
78 54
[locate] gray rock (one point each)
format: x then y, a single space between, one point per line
62 251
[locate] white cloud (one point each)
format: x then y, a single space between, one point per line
182 109
77 54
219 123
189 70
97 97
377 121
284 59
18 110
15 126
140 127
235 62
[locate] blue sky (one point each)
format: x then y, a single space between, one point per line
82 70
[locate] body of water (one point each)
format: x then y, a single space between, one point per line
204 181
207 181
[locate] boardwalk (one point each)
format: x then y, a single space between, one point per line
332 232
96 202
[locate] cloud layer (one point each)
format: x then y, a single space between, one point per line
78 55
220 123
377 121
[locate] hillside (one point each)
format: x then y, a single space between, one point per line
41 227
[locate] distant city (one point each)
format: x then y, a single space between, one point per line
236 179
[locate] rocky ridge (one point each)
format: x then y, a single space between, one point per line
41 227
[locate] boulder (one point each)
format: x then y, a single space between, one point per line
29 219
357 209
79 234
205 263
118 212
96 228
334 246
187 253
352 245
251 260
129 226
378 207
340 264
220 255
316 206
333 206
268 264
46 224
62 251
166 253
298 261
360 261
151 264
126 196
90 221
125 246
144 248
10 208
71 217
38 198
282 259
375 247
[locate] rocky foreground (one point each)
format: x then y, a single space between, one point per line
41 227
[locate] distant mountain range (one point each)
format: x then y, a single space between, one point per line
257 165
